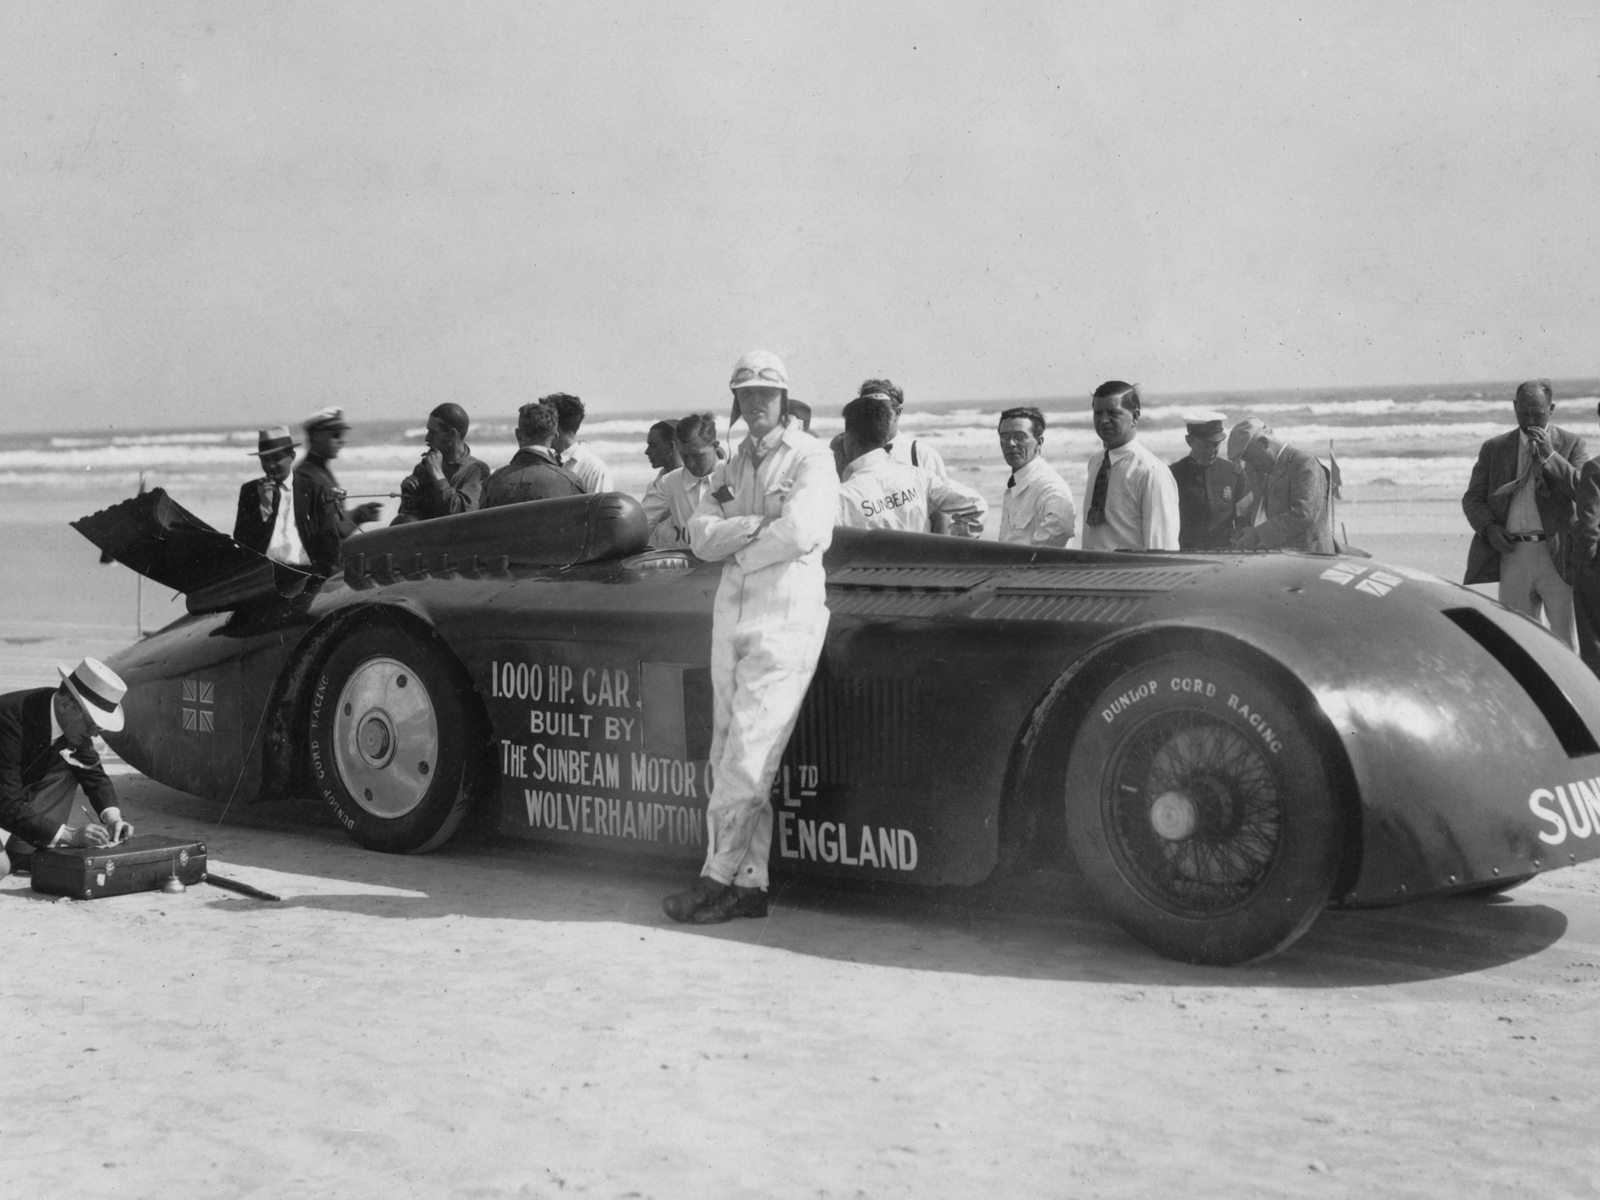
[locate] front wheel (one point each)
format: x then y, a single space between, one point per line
1200 812
396 751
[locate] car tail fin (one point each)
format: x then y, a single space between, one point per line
1569 726
156 536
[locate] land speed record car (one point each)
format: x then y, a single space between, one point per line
1222 745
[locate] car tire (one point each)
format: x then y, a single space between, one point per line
1200 811
396 749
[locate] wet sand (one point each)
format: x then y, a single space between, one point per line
508 1021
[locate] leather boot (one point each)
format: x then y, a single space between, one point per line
681 906
735 902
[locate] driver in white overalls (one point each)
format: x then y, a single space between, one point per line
768 516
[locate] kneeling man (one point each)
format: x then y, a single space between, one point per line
768 517
47 753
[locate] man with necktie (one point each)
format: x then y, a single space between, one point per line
47 753
1037 508
1522 504
265 520
1133 498
675 494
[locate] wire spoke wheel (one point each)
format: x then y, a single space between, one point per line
1195 812
1199 810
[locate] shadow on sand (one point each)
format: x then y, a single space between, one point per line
1043 927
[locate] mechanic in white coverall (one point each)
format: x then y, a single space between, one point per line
768 515
880 493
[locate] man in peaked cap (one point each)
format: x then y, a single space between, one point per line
265 519
47 753
1292 491
319 513
1206 482
767 516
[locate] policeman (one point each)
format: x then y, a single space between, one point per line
768 516
319 512
879 492
1205 485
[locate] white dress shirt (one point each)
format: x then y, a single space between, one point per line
669 502
587 466
284 545
1523 515
917 453
1037 509
1141 502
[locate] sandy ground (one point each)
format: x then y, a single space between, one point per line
504 1021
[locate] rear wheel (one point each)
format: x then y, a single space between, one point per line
1200 811
396 748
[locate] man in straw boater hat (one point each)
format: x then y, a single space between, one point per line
265 520
47 753
767 517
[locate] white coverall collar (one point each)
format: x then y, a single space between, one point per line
867 461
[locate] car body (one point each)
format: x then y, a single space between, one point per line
1221 744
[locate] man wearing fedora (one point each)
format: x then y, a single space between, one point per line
265 520
319 512
47 753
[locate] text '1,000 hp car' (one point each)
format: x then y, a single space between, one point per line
1221 745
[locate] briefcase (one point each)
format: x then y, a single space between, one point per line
140 864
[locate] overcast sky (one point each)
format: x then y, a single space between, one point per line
235 212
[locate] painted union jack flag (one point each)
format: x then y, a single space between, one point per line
199 692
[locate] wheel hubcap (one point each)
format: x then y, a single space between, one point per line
1173 816
386 737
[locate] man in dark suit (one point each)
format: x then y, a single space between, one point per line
1583 546
536 472
265 518
1291 488
319 513
47 753
1522 504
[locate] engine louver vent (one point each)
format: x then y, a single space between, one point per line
870 602
945 579
1104 579
1036 606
